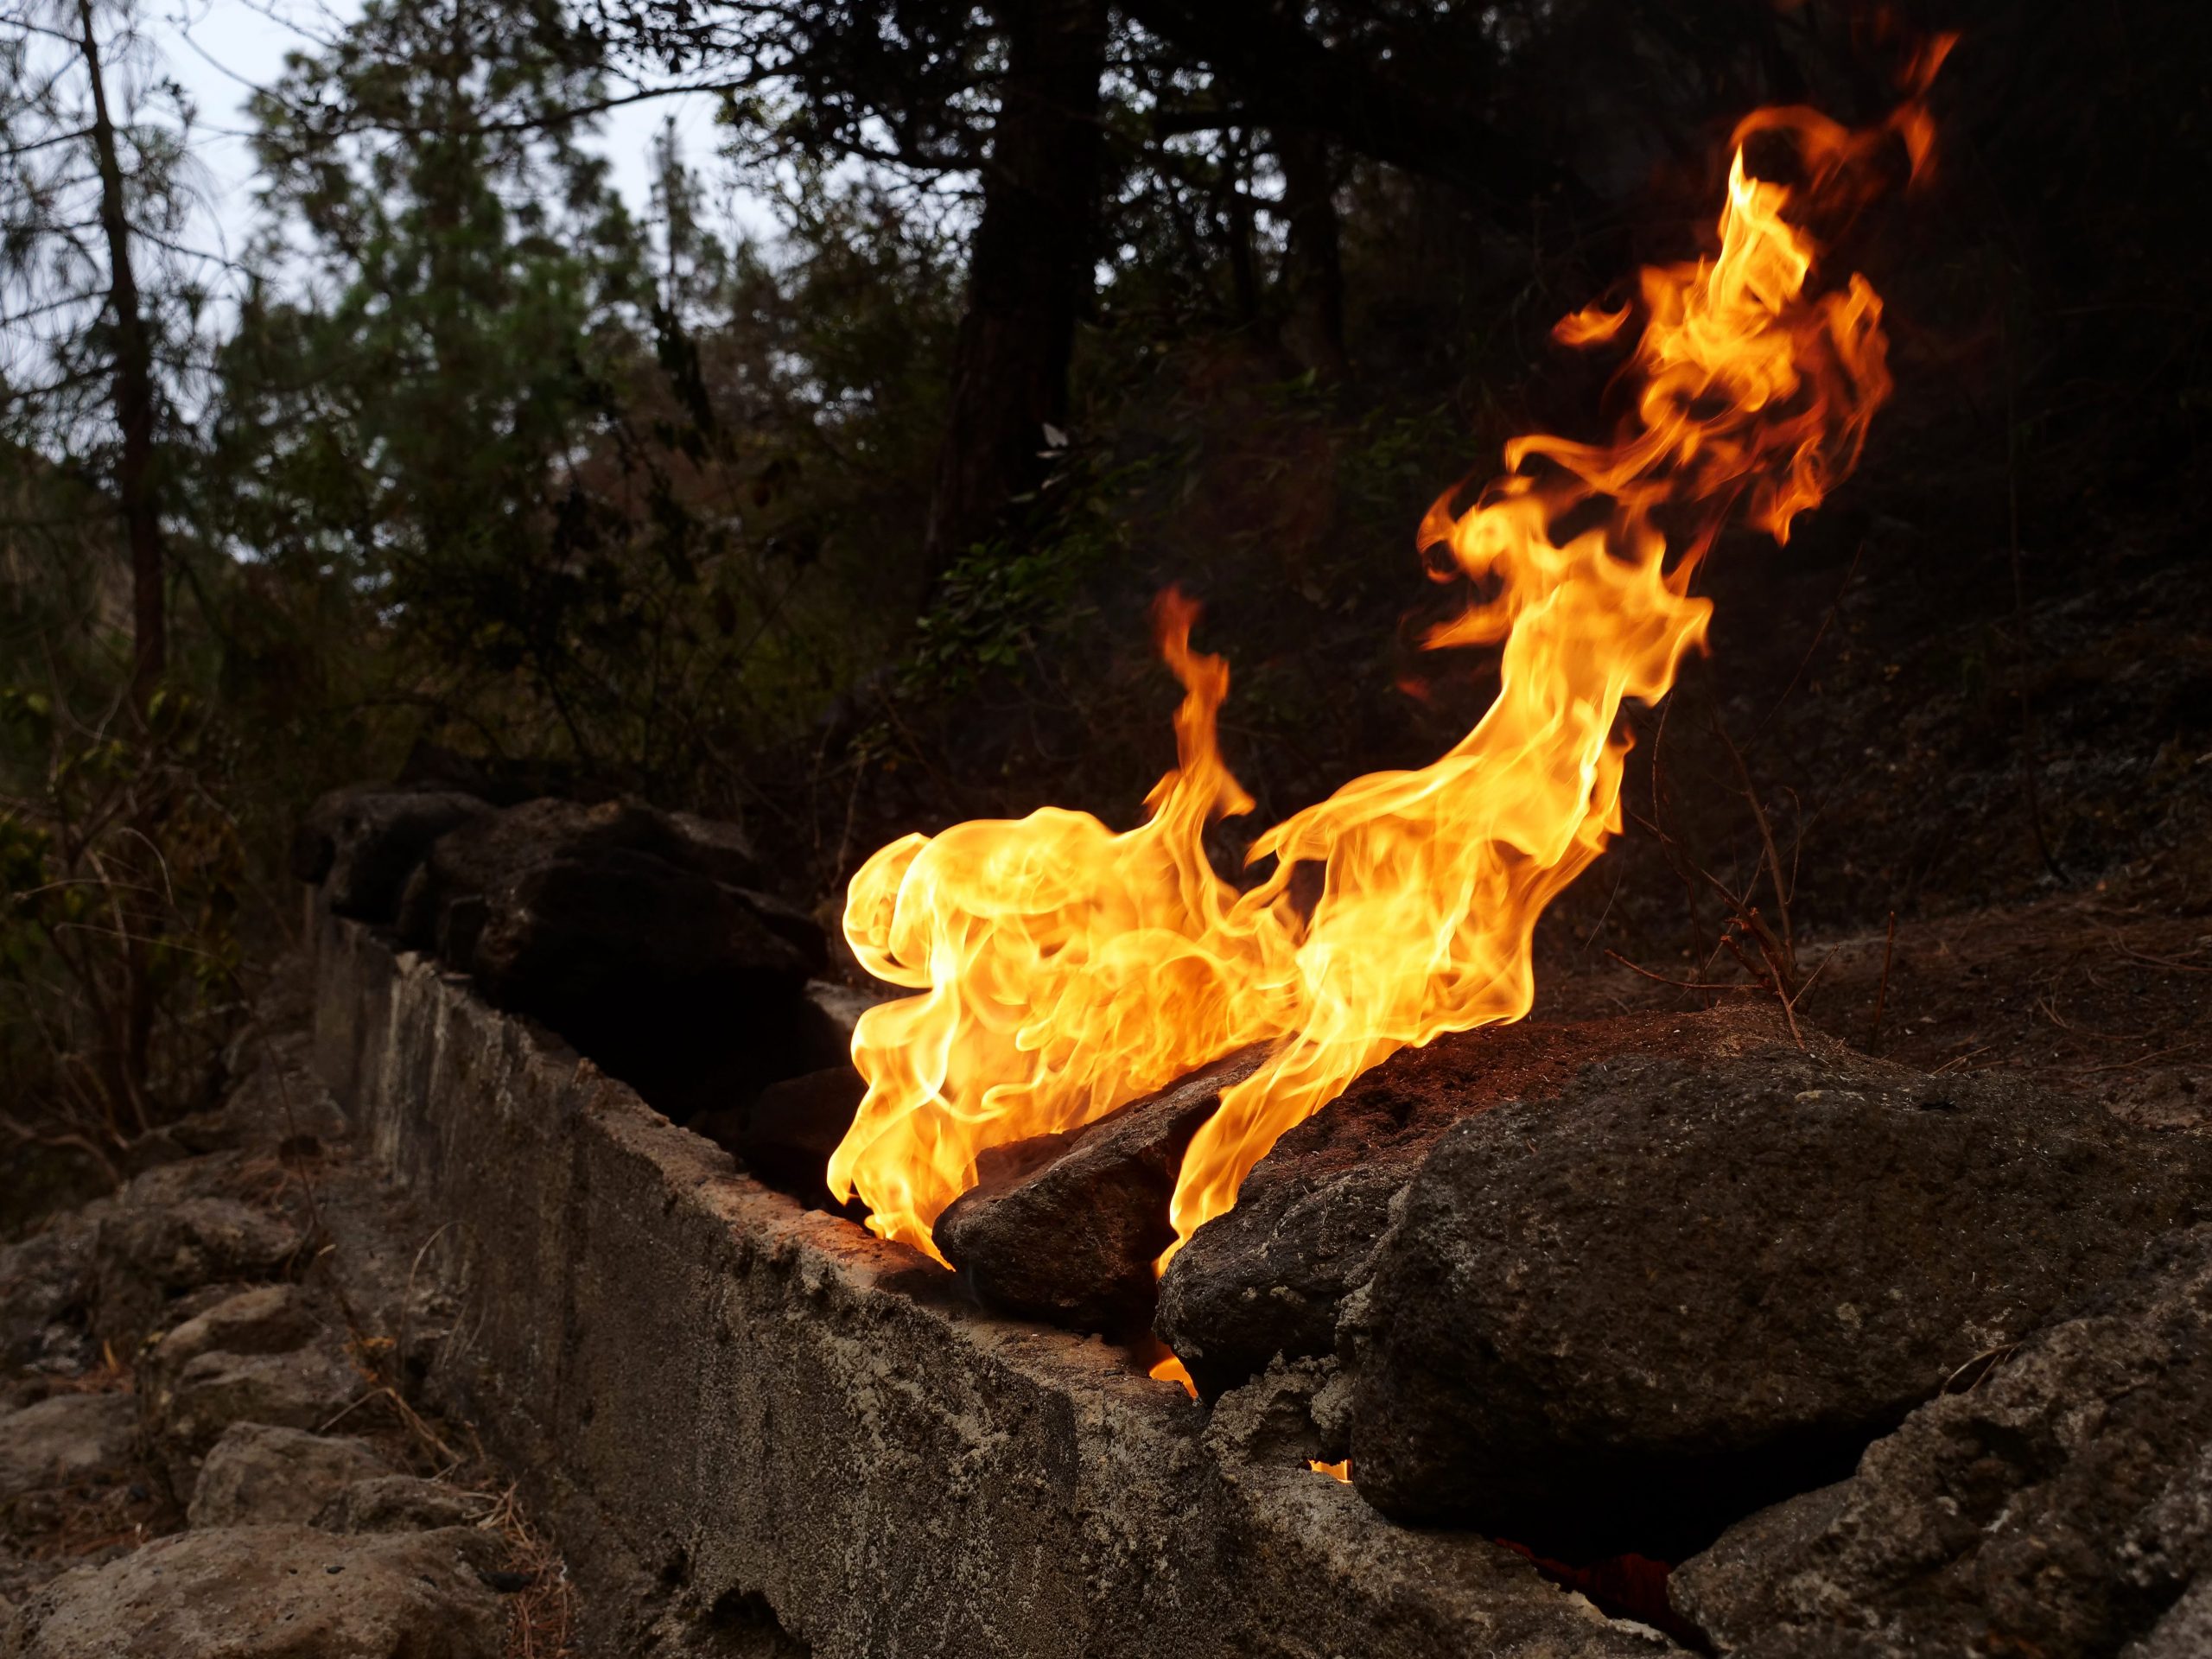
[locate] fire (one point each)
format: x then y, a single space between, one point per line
1171 1370
1062 969
1333 1470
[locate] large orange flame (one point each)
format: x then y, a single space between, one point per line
1064 969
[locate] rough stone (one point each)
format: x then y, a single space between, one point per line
1617 1320
786 1135
47 1284
263 1357
1268 1277
1728 1589
277 1098
627 914
258 1474
2184 1633
502 780
1066 1227
2060 1503
362 843
399 1504
625 929
66 1439
714 847
490 852
264 1319
843 1004
748 1417
159 1238
270 1592
688 989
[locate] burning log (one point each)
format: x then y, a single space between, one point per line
1067 1227
1690 1285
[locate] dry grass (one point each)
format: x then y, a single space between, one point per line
542 1617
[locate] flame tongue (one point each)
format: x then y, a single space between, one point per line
1064 969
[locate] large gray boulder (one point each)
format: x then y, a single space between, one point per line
271 1593
1268 1277
1618 1319
1066 1227
2059 1502
259 1474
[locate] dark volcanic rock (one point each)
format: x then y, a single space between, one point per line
786 1136
363 844
494 850
564 938
2061 1503
1617 1320
672 982
1267 1278
1066 1227
628 931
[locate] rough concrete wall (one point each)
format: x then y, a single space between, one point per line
757 1427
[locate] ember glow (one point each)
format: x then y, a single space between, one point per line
1063 969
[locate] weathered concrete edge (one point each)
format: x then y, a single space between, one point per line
725 1401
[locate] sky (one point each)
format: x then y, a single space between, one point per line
218 50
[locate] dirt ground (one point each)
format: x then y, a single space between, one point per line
2108 992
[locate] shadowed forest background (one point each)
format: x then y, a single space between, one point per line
462 469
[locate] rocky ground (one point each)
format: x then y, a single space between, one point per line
213 1434
1859 1321
1866 1324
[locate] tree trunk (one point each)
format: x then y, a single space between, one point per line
134 397
134 488
1312 262
1029 272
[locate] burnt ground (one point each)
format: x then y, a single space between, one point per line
1998 746
2107 992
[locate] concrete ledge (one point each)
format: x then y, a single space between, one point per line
759 1430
